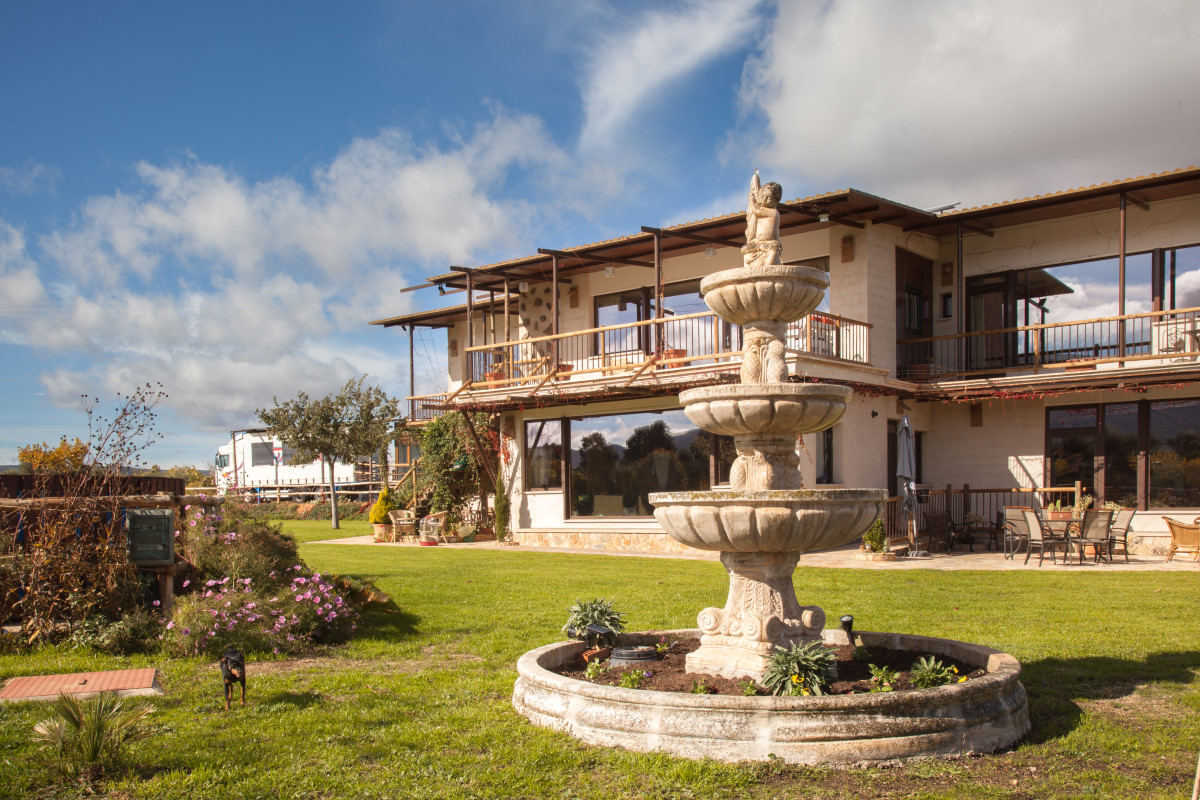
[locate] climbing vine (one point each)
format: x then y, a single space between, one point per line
454 462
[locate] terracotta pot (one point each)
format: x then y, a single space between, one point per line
1061 515
383 533
493 379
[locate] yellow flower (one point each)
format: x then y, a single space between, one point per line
795 679
954 670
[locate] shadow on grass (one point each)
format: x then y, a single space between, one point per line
390 625
1055 684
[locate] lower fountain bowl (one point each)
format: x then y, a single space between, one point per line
794 521
983 715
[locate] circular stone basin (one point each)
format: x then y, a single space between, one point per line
779 521
783 409
982 715
772 293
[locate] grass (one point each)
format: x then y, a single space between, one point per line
316 530
419 704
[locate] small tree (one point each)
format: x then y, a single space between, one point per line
338 427
449 453
66 457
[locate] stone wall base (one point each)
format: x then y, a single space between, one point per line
604 541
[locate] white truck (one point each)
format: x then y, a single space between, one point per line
255 463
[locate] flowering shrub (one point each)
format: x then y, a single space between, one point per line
287 614
234 546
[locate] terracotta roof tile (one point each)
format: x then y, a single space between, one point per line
49 686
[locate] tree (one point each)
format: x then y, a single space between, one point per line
66 457
338 427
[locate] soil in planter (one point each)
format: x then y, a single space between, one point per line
669 673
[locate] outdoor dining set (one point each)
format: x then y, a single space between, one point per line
1101 531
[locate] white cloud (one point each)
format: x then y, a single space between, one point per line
381 198
29 178
231 292
932 102
631 63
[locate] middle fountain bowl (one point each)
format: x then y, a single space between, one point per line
790 521
765 409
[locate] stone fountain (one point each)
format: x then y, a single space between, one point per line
761 526
766 519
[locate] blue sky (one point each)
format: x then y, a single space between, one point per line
220 196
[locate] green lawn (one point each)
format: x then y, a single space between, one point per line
419 705
315 530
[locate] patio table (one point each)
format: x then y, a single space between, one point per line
1065 529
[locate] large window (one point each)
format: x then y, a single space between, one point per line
543 454
1125 451
618 461
1175 454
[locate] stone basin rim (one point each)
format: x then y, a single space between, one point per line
764 274
770 497
765 391
1001 667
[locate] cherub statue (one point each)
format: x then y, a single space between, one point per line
762 225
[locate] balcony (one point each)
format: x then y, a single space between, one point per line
1154 339
624 355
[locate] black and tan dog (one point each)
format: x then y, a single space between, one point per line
233 670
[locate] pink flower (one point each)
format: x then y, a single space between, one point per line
186 584
156 604
299 598
170 625
192 523
187 632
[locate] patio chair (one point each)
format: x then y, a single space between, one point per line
1185 538
1119 532
1016 529
1043 539
433 527
1094 533
404 522
938 533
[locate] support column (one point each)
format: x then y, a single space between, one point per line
1121 282
554 312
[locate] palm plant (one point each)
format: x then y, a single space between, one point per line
596 614
89 739
805 668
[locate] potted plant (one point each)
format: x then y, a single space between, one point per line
380 522
597 623
496 374
1082 503
1056 511
874 544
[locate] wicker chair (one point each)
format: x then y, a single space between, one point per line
1185 538
404 523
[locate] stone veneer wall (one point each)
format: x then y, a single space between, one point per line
605 541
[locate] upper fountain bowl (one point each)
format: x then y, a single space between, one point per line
755 408
772 293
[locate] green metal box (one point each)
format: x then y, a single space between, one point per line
150 533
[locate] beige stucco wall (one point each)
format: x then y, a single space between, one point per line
1168 223
864 289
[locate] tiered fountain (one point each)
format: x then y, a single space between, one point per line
761 526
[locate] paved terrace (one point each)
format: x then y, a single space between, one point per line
843 558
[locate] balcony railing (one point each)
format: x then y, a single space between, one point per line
426 407
628 351
1154 337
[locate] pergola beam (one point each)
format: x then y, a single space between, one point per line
601 259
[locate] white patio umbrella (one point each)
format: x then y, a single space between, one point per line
906 474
